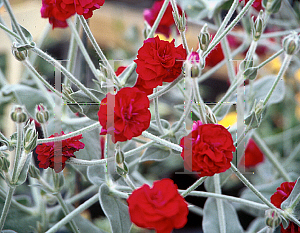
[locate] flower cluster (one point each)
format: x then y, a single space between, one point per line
207 149
158 61
281 194
161 207
167 20
55 154
129 111
58 11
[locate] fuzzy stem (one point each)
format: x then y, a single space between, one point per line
199 101
268 153
129 182
69 135
82 162
281 72
75 212
18 151
10 32
270 58
6 207
68 75
220 206
194 186
156 113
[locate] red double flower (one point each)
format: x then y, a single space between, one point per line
161 207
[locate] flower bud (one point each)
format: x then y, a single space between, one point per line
250 73
256 115
146 30
257 26
19 55
33 171
41 114
273 218
120 157
271 6
180 21
30 137
204 38
291 43
18 114
122 170
193 63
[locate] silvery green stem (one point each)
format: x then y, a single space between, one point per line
40 80
138 149
292 156
225 45
156 113
72 51
270 58
199 101
6 207
227 18
97 48
166 88
14 21
231 25
10 32
66 212
68 75
129 182
83 49
162 141
75 212
19 127
82 162
194 186
268 153
278 34
251 187
283 68
228 198
220 206
69 135
158 18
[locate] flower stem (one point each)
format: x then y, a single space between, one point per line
83 49
199 101
19 127
281 72
69 135
162 141
224 33
82 162
14 21
68 75
251 187
157 118
66 212
270 58
268 153
97 48
194 186
6 207
129 182
220 206
11 33
75 212
158 18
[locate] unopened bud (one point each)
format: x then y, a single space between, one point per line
271 6
146 30
18 114
33 171
193 64
5 164
20 55
41 114
30 137
273 218
291 43
257 26
204 38
256 115
250 73
180 21
120 157
122 170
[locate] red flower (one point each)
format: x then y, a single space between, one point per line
57 16
55 154
253 155
159 61
215 56
256 4
167 20
131 114
207 149
120 70
161 207
281 194
59 10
